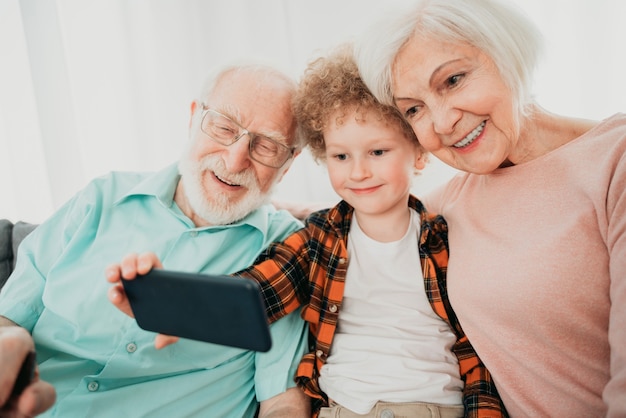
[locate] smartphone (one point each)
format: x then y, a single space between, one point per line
217 309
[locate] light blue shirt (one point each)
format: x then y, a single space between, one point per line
100 362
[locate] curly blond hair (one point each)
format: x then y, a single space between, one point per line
331 89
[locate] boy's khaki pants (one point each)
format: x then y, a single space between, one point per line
396 410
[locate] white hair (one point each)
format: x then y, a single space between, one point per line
264 73
497 28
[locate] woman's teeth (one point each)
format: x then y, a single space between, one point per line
470 138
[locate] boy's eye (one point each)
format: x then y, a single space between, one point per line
340 157
378 152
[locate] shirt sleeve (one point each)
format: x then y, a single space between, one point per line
480 396
21 299
275 369
282 271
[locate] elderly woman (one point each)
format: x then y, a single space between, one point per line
537 217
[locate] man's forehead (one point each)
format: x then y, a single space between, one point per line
260 77
251 89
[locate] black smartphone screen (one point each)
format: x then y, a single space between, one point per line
213 308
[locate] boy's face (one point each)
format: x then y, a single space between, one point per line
371 164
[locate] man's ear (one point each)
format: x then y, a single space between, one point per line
194 107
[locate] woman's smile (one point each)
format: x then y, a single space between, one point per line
471 136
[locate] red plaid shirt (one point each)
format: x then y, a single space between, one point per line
309 269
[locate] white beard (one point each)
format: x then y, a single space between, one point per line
216 208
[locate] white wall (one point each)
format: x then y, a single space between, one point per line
89 86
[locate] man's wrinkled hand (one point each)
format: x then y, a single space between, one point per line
131 266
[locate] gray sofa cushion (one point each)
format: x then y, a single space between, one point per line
6 250
11 235
20 230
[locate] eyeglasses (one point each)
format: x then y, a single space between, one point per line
226 131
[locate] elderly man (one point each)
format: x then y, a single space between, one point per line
206 214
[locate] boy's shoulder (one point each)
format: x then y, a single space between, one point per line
335 218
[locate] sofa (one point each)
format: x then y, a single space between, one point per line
11 234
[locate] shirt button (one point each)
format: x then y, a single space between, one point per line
387 413
131 347
342 261
93 386
332 308
193 234
319 353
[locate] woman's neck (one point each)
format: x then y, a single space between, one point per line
542 131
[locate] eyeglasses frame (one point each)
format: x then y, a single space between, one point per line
243 131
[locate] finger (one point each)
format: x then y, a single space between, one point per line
128 266
36 398
113 273
162 341
118 297
147 261
15 344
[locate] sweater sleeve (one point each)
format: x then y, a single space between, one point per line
614 391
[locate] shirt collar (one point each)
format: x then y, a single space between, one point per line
340 216
162 186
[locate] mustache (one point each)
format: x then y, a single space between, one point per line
245 178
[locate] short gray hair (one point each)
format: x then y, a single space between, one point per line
495 27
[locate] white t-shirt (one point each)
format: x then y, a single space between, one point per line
389 345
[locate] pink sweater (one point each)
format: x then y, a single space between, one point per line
537 274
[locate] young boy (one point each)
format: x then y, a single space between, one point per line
371 271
